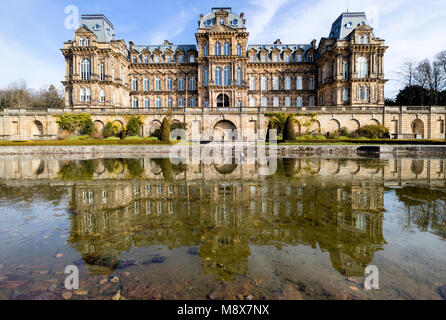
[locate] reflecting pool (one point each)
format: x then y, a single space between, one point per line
162 229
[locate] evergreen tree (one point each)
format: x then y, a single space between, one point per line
288 131
165 131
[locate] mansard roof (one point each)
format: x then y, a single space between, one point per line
346 23
99 25
166 47
234 20
280 47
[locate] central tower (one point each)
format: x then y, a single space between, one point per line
222 60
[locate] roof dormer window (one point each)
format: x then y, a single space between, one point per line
234 22
208 22
349 25
222 21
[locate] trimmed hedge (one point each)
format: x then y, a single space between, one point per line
368 141
59 143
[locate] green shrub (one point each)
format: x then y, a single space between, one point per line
108 130
134 126
288 131
374 132
75 123
343 132
165 131
133 138
113 139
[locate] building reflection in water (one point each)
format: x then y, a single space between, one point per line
222 210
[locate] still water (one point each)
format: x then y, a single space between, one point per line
151 229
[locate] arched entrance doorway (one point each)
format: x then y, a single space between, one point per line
418 128
222 101
225 131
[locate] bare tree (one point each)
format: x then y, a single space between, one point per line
431 77
441 59
407 72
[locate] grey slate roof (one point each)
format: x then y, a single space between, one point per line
99 25
280 47
209 20
163 48
346 23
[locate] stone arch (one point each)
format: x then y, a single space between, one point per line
353 125
37 128
418 127
154 126
373 122
99 126
223 101
225 130
118 123
225 169
315 127
417 167
333 125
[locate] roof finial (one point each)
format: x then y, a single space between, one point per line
347 6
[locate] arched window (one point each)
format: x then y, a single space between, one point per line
191 59
85 69
276 58
299 102
287 58
239 50
227 76
222 101
218 76
226 49
264 101
217 49
205 50
362 66
205 77
299 58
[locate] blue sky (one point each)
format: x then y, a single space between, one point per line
33 31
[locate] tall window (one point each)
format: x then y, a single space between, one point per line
82 94
181 84
146 103
193 103
192 84
87 42
311 101
181 102
146 59
345 94
263 57
157 84
276 83
158 103
85 69
217 49
146 84
226 49
88 95
299 83
169 84
360 93
134 84
239 77
157 59
191 59
276 102
102 72
276 58
135 103
227 76
298 57
169 102
264 101
181 59
252 58
310 57
366 94
264 83
239 50
311 83
362 66
205 50
218 76
287 102
252 102
287 83
287 58
102 97
252 83
299 102
205 77
345 70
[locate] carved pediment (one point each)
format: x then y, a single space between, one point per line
222 28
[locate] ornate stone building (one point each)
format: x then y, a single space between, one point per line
222 82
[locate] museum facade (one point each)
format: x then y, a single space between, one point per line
223 82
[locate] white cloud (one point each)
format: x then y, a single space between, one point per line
411 28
